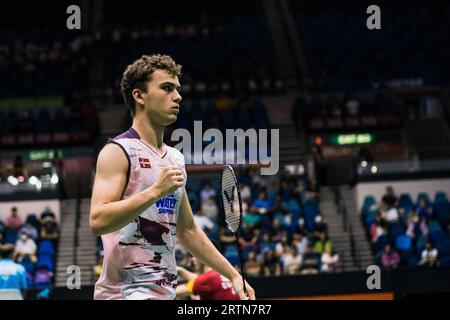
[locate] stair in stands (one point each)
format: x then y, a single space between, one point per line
362 246
86 251
338 236
65 254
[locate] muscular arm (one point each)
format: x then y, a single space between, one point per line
197 243
108 212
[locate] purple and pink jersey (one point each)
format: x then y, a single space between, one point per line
139 259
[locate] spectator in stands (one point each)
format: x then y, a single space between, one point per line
330 260
429 256
251 217
389 213
12 275
413 225
266 243
246 192
204 222
209 207
292 260
277 232
425 209
226 237
390 258
252 266
49 228
43 277
262 204
389 198
320 227
310 261
271 265
249 237
300 241
14 221
322 244
25 247
378 228
282 246
278 210
30 229
207 192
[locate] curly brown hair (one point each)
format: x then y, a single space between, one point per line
140 72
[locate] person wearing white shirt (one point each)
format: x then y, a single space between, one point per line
25 247
207 192
210 208
429 256
291 260
330 260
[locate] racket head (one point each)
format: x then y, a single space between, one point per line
231 199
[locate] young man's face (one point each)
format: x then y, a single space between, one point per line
162 99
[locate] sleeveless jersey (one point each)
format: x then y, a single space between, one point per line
139 259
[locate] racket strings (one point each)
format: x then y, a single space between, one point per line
230 199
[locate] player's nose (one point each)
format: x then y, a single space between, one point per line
177 97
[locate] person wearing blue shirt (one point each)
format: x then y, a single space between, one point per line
12 274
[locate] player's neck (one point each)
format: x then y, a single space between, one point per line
151 134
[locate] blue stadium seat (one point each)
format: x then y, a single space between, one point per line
436 237
11 235
440 197
46 247
369 201
46 261
405 201
422 195
403 243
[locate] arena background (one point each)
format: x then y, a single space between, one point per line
357 110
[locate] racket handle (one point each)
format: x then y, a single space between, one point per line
240 262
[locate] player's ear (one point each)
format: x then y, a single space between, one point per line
137 95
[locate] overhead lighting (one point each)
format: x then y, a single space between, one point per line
13 181
33 180
46 165
374 169
363 163
54 179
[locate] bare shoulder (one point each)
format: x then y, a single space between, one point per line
112 158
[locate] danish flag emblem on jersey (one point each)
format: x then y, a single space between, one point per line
145 163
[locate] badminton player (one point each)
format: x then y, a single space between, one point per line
139 203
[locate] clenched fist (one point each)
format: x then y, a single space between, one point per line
170 179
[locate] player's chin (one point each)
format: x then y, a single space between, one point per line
170 119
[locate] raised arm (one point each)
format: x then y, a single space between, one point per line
108 212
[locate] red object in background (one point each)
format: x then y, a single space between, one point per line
318 140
